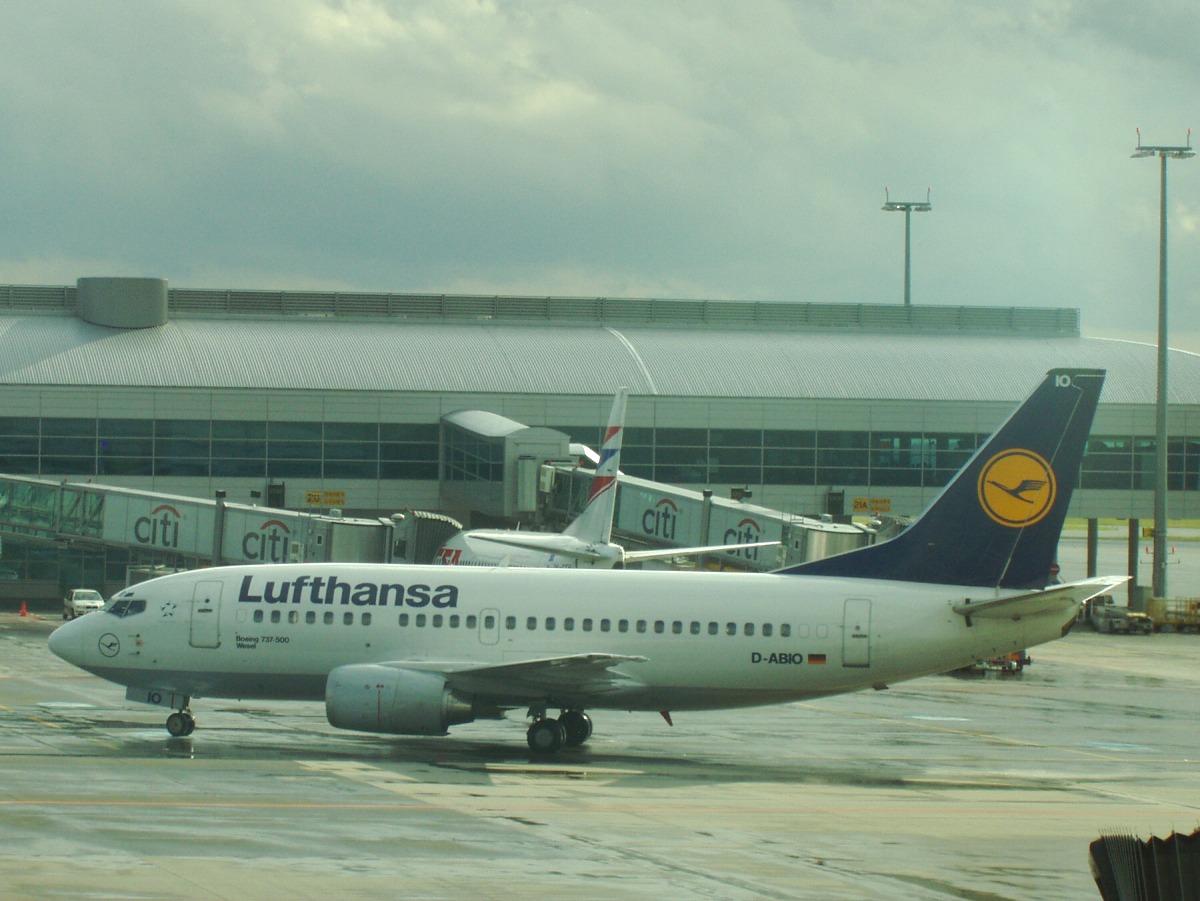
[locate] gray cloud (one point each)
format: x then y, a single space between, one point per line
673 149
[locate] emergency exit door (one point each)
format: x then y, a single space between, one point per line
489 626
856 632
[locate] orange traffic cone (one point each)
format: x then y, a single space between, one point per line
24 609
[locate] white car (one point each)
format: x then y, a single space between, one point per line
80 601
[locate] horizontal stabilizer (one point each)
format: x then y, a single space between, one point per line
1035 603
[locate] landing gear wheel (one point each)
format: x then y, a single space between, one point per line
578 727
181 723
546 736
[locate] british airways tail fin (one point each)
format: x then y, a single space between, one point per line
594 524
997 523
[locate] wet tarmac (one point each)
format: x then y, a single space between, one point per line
946 787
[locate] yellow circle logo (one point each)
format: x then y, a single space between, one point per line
1017 488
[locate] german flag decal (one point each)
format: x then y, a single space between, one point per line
1017 488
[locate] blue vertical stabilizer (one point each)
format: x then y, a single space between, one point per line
998 522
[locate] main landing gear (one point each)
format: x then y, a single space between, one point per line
546 735
181 723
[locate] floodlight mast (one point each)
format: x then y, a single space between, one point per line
909 207
1159 579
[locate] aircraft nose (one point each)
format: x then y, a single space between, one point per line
66 642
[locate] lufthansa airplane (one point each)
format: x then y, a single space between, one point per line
414 650
586 541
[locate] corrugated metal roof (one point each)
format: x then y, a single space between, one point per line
445 357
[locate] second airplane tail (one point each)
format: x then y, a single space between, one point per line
998 522
595 523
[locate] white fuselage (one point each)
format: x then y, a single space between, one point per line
708 640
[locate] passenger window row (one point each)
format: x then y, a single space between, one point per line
552 624
588 624
328 617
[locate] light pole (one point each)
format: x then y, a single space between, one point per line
1159 583
909 207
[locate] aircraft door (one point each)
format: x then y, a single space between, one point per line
206 615
856 632
489 626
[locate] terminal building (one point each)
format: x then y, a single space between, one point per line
367 405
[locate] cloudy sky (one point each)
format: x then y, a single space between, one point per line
652 149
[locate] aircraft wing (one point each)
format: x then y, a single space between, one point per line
576 675
1051 600
663 553
581 553
629 556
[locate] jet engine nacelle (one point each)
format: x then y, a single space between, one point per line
373 698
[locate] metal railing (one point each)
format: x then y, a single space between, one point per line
724 314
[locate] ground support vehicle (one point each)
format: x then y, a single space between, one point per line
1105 615
1178 614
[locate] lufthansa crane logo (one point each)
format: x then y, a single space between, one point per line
109 644
1017 488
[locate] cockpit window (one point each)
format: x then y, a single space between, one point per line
126 608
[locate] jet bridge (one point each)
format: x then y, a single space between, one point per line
491 464
192 529
188 532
